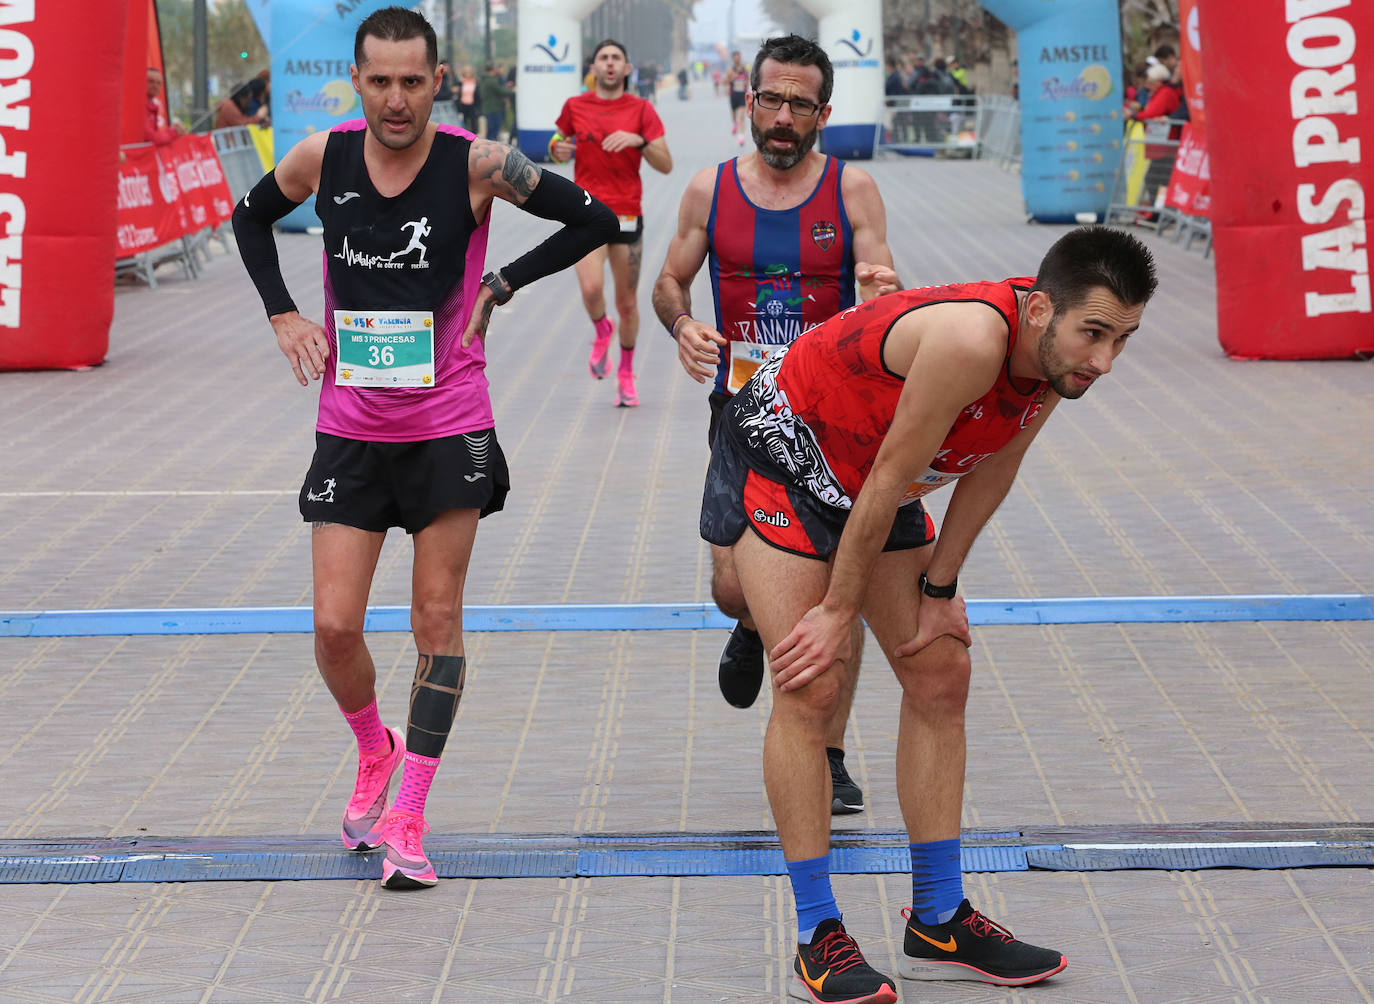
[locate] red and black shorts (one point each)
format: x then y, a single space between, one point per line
375 486
786 515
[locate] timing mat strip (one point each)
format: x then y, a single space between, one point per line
602 855
681 616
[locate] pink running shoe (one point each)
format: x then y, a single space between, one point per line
405 865
366 812
625 395
599 362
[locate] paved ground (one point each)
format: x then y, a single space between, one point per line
167 477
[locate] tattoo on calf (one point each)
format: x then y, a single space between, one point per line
434 698
320 524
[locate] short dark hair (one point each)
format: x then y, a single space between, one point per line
610 41
1089 257
396 24
1165 51
798 51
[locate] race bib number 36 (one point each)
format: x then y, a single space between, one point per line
384 348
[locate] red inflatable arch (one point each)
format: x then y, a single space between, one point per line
1290 91
59 149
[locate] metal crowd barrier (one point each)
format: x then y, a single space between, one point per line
1142 181
929 125
999 130
238 157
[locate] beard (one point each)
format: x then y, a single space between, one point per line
777 159
1056 372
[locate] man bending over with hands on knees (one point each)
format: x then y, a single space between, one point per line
815 484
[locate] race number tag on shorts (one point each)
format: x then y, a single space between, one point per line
745 358
629 224
384 348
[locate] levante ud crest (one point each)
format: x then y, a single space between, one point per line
823 234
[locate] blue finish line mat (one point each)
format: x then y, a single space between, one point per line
681 616
872 852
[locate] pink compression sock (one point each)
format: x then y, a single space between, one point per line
417 775
627 360
366 724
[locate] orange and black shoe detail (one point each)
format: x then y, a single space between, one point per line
832 970
970 946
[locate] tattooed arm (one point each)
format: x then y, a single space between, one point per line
496 171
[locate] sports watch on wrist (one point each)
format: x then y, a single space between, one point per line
939 592
500 289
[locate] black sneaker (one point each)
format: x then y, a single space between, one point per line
846 796
741 667
832 969
969 946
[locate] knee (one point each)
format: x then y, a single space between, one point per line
627 304
336 640
729 596
935 681
437 625
813 706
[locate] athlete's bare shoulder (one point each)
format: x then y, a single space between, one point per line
502 171
298 173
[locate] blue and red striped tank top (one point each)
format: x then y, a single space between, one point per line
775 273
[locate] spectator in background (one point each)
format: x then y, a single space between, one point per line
1167 56
648 82
960 75
244 106
1166 96
156 128
492 92
512 108
465 97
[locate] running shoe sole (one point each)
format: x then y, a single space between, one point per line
796 987
921 969
399 879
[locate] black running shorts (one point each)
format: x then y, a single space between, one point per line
718 400
786 515
629 236
375 486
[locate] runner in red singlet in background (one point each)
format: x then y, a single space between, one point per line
608 131
815 484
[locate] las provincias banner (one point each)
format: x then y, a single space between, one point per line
57 178
1190 183
166 192
1292 175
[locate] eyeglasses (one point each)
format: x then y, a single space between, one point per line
801 108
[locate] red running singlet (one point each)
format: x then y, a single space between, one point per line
819 409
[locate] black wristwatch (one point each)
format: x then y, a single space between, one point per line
500 289
939 592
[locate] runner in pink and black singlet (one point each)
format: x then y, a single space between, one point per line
405 435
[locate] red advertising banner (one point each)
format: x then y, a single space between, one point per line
165 192
1293 169
1190 57
1190 183
58 158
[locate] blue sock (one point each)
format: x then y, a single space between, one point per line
811 889
937 883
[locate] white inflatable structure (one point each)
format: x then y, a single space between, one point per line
549 57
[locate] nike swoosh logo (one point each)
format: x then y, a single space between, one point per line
586 197
944 946
246 194
339 200
817 985
473 477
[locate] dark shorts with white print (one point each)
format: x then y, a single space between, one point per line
786 516
375 486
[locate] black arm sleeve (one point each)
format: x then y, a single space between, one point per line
253 219
587 224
